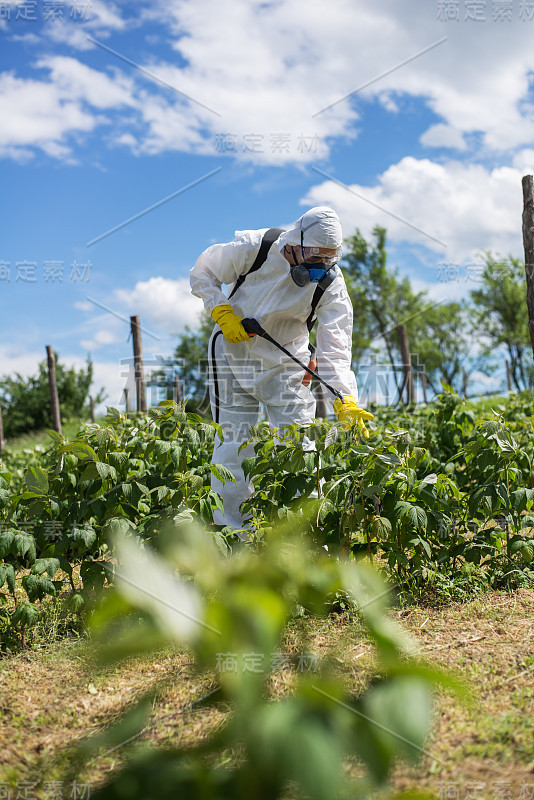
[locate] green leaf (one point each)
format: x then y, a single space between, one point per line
75 602
6 541
10 577
248 465
55 436
118 526
37 586
161 446
49 565
381 528
400 710
523 549
518 499
429 479
24 545
331 437
36 480
85 536
93 575
81 450
417 517
176 455
25 615
222 473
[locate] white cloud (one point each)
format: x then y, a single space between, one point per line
443 136
83 305
79 82
524 162
104 15
43 113
36 113
268 67
296 58
167 304
101 337
93 18
468 207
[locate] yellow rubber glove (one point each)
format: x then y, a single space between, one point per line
230 324
348 414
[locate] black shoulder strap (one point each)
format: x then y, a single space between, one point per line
318 293
268 238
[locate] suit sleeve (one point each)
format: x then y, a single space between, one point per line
334 339
223 264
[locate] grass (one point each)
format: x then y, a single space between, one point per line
52 696
29 439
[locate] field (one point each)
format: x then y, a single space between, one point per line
438 499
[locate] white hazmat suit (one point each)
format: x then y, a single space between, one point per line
245 374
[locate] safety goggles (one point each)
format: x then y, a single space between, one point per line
318 254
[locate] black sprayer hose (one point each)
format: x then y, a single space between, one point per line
252 326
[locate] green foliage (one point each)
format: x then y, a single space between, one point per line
437 333
502 318
434 489
238 607
25 402
445 490
60 506
189 363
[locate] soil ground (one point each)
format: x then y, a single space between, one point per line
51 696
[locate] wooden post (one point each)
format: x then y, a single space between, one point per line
92 405
406 363
465 379
140 388
2 443
54 399
177 390
509 376
126 400
528 244
423 381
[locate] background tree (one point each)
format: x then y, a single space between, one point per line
25 402
381 299
190 363
501 318
442 344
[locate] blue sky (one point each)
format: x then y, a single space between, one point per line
439 137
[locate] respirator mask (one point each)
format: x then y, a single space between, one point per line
315 267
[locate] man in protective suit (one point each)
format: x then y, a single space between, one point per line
297 281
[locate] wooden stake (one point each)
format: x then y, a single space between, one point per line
92 405
2 443
177 390
126 400
528 244
424 383
465 380
140 388
509 376
54 399
406 363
